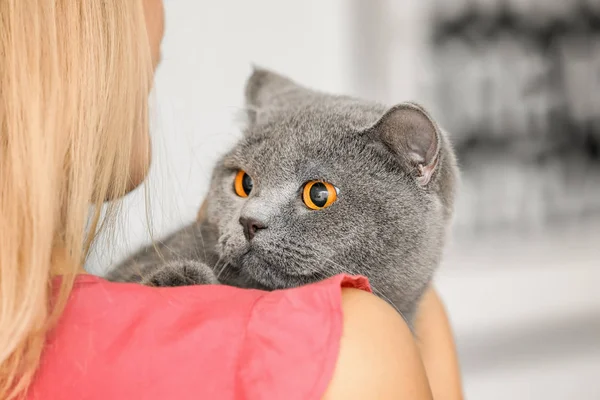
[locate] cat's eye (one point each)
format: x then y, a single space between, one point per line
243 184
318 195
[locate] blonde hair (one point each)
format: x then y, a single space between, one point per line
74 83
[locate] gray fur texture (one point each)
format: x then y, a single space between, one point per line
396 174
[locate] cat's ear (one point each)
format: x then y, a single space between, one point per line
412 135
264 87
267 89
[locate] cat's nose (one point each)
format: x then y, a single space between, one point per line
251 226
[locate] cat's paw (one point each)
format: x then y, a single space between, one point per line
181 273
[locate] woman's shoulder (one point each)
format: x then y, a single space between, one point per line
124 340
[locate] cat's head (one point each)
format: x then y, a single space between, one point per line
323 184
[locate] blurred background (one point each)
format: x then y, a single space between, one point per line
517 85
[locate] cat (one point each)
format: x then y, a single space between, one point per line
319 185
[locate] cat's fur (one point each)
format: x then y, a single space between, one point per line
396 175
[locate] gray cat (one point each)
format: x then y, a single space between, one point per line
319 185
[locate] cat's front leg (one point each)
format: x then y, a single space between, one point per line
181 273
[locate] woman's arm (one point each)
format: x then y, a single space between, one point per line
438 351
378 357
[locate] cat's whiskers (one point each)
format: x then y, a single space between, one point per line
224 271
203 245
219 269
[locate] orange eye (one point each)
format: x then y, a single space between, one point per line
318 195
243 184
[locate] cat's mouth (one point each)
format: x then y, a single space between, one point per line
271 265
272 273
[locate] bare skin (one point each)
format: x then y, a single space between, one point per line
437 348
142 153
378 357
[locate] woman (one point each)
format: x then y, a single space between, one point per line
74 81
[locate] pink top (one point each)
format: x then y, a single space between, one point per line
127 341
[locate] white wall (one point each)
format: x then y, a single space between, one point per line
526 311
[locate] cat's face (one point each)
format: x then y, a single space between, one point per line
314 189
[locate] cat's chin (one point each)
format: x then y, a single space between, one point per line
268 275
